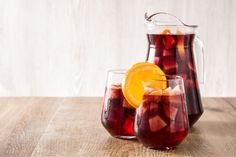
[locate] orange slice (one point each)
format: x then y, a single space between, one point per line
137 76
166 31
180 45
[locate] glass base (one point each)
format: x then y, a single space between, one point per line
126 137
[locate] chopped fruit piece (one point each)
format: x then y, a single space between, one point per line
169 42
173 99
142 109
156 92
156 123
153 109
154 84
173 127
168 53
157 61
156 40
170 65
153 106
170 111
168 89
128 125
126 104
180 46
176 90
114 92
190 84
191 66
113 113
166 31
184 76
138 75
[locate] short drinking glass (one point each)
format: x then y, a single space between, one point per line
161 120
117 115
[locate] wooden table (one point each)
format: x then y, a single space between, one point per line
71 127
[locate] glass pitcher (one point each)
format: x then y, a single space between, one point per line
174 47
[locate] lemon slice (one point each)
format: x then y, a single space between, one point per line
138 75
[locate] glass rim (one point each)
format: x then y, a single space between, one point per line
169 78
171 25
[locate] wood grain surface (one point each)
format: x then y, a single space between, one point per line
76 41
69 127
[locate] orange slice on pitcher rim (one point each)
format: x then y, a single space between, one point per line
166 31
138 75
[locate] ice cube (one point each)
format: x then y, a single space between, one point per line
170 65
176 90
170 111
167 91
115 91
169 42
156 123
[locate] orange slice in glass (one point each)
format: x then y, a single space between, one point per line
137 76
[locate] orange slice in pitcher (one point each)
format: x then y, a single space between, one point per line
138 75
166 31
180 45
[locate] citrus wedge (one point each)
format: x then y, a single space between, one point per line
180 45
137 76
166 31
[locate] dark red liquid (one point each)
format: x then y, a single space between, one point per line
117 115
174 54
162 121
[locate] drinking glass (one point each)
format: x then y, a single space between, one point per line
117 114
161 120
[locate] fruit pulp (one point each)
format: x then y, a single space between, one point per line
161 121
174 55
117 115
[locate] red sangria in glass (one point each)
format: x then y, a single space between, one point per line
161 120
117 115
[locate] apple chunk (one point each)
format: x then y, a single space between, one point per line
156 123
170 112
169 64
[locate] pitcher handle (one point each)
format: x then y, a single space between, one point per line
199 59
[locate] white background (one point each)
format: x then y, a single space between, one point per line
65 47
